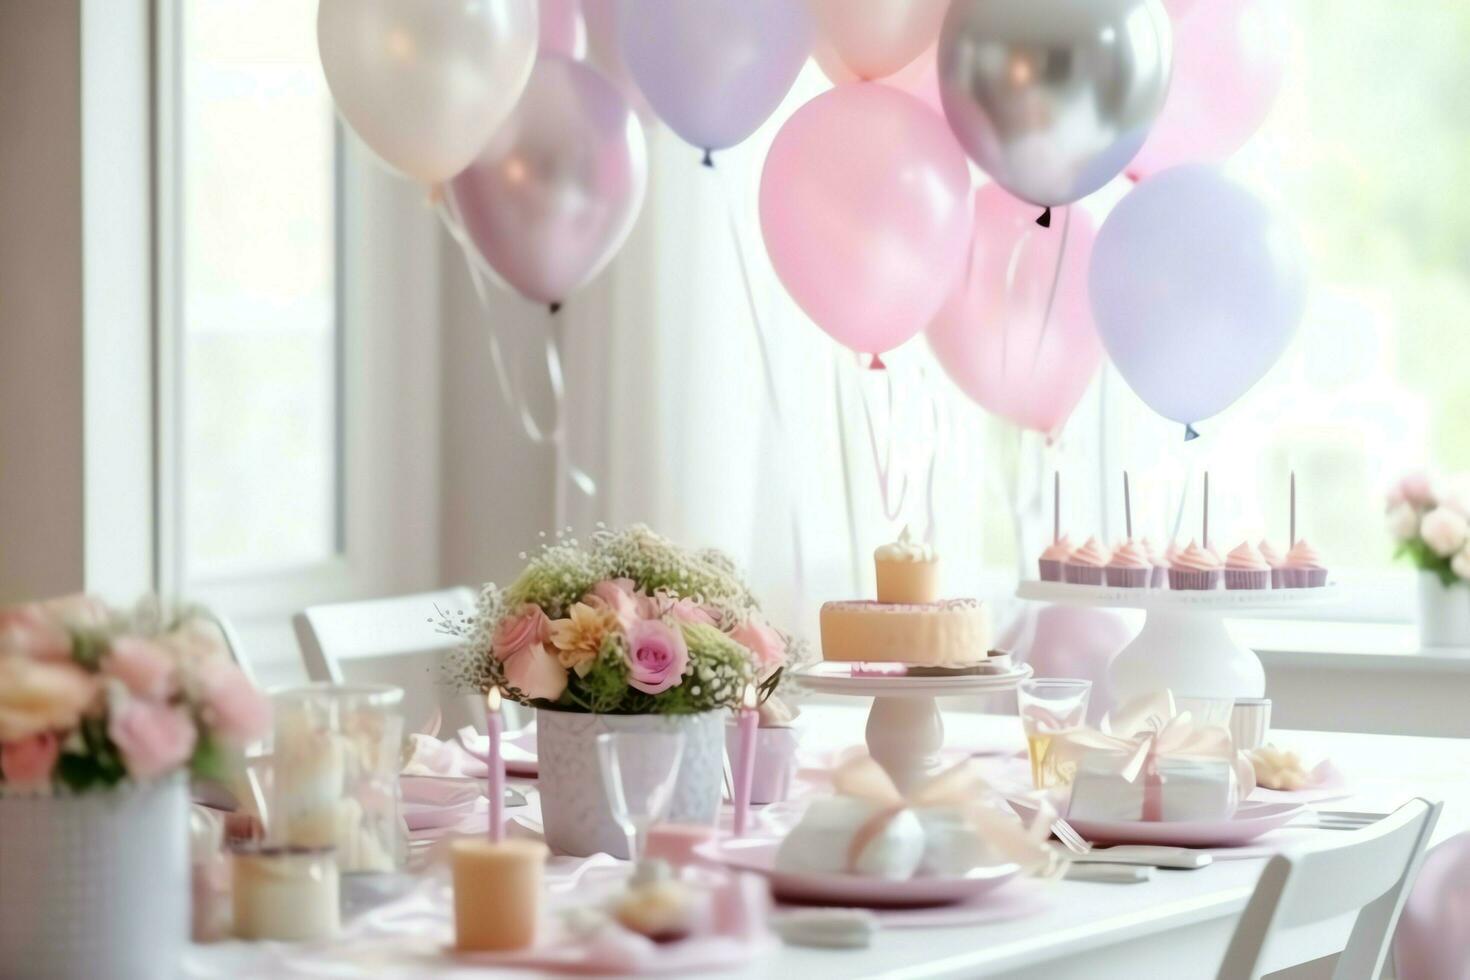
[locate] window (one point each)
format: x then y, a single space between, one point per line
258 318
297 349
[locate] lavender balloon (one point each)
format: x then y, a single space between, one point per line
714 70
553 195
1196 288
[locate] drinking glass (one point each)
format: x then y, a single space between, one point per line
639 770
1047 706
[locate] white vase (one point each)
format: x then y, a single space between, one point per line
1444 612
574 809
95 884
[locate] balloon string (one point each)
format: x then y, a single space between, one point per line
934 440
883 465
1013 264
1056 280
510 391
847 482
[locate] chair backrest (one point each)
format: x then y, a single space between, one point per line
1369 872
391 641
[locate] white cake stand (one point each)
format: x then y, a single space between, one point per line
1184 644
905 731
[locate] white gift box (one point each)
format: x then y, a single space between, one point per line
1189 788
820 843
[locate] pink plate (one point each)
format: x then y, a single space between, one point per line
1249 822
759 856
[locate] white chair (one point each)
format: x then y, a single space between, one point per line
1370 873
391 641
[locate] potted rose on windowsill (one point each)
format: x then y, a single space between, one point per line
101 716
629 632
1430 519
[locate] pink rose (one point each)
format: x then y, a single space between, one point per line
41 696
620 595
1444 530
519 631
761 639
535 672
689 611
656 654
144 668
153 738
1414 489
232 707
28 763
29 631
78 610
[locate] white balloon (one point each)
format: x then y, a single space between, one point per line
873 38
425 83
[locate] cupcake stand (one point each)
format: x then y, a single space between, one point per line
1184 644
905 730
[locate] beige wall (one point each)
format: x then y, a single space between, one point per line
41 412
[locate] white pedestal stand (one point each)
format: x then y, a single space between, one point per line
905 729
1184 644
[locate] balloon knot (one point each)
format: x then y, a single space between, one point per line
1045 219
1189 434
876 364
1133 175
555 308
709 160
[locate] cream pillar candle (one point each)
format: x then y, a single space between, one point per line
286 893
497 892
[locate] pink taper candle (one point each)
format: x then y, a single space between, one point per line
745 765
496 766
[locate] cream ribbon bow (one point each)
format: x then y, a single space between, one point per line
959 786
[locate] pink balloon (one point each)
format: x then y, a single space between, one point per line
1229 60
993 336
1433 937
562 30
863 206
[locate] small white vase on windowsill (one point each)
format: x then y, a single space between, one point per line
1444 614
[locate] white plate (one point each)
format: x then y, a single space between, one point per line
834 677
759 856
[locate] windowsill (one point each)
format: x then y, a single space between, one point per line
1320 645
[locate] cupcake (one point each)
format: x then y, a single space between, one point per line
1195 569
1246 569
1303 568
1053 557
1085 565
1156 558
1171 555
1129 567
1273 558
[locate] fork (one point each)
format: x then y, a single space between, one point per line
1069 837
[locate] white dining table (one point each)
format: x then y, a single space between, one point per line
1177 924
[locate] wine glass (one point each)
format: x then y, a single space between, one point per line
1049 705
639 770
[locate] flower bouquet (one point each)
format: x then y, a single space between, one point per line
628 632
1430 520
100 714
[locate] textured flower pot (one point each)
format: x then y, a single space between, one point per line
95 884
574 809
1444 612
775 761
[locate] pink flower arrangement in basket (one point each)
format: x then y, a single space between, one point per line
629 624
90 696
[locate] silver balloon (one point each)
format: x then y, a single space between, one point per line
552 196
1052 98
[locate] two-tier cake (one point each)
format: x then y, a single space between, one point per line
908 624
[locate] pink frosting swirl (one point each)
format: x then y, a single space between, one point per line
1130 554
1303 555
1246 559
1172 553
1270 553
1155 555
1058 550
1197 559
1092 553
